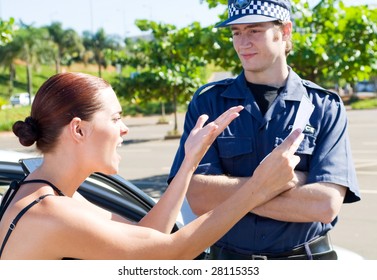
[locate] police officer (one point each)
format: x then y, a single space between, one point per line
294 225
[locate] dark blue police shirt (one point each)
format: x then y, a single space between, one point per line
325 152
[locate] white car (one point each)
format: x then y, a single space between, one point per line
111 192
22 99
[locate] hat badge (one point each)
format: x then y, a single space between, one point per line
241 4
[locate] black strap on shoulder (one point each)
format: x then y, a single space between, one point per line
8 196
18 217
13 188
43 182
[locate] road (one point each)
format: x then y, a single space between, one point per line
146 160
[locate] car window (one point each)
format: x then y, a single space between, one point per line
3 189
111 193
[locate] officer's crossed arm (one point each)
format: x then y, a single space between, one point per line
317 202
304 203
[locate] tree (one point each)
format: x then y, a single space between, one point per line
67 45
32 46
98 43
333 43
168 66
8 54
6 31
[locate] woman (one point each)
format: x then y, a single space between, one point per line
76 123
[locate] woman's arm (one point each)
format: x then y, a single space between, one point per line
164 214
90 237
207 191
101 212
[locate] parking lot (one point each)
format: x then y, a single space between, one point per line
146 160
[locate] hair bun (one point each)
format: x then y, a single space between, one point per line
26 131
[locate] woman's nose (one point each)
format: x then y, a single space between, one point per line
124 129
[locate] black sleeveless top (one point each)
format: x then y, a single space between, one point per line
9 195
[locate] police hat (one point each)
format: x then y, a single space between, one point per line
253 11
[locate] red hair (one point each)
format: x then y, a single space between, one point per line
61 98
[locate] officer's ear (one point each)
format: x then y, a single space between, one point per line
287 30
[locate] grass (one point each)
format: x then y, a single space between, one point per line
41 74
364 104
10 115
20 85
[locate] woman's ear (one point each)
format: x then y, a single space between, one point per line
76 127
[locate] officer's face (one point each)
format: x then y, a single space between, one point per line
259 46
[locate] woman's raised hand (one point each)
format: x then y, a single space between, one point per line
277 169
201 138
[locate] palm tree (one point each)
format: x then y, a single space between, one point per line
67 44
8 54
98 43
31 45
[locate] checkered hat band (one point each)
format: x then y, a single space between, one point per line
259 8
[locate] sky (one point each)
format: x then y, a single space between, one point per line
115 16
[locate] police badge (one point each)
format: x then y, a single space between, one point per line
241 4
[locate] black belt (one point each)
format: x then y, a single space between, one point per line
317 249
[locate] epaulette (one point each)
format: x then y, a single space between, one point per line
208 86
310 84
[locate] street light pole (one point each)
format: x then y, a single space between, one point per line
91 15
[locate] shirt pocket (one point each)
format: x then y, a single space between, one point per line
304 151
236 155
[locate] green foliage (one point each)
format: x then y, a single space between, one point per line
6 31
66 44
132 108
334 43
99 43
168 68
217 44
30 45
215 3
3 102
9 116
169 62
364 104
42 73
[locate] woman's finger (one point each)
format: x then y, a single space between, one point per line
292 142
201 121
226 118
